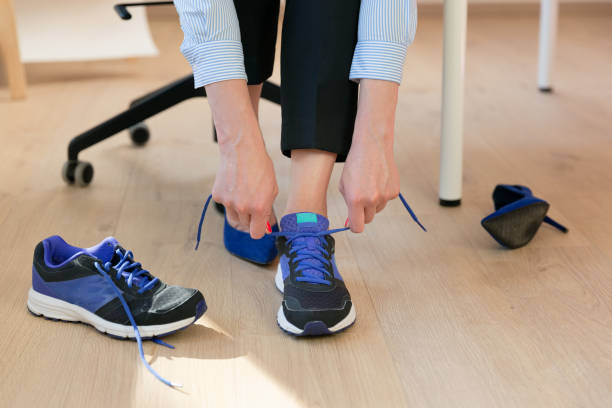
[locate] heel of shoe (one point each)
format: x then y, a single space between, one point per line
260 251
555 224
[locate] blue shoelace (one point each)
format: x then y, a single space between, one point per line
312 263
132 272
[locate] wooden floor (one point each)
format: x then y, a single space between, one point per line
445 318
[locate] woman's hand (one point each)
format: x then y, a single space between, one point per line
245 183
370 177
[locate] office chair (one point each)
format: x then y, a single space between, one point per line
80 173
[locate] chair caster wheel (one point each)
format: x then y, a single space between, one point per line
139 133
77 172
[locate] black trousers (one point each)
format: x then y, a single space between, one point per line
318 101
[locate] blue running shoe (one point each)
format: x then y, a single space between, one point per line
104 287
315 298
239 243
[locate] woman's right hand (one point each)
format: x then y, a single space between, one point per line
245 183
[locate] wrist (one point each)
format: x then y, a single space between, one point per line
376 110
374 129
242 138
233 115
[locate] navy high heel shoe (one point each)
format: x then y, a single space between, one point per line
517 217
239 243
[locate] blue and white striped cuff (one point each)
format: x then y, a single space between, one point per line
378 60
216 61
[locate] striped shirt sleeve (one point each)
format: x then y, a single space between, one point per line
212 40
386 29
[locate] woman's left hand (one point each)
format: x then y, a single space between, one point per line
370 177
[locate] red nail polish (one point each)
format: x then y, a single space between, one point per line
268 227
346 222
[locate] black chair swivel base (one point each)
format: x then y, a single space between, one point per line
80 173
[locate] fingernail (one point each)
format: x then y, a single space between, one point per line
268 227
346 222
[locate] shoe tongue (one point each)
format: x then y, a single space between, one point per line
105 250
307 222
304 222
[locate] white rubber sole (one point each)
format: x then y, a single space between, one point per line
50 307
278 279
288 327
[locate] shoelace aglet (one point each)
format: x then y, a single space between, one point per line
202 222
159 341
412 214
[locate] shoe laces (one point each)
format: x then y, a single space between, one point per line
310 253
313 262
202 221
132 272
206 204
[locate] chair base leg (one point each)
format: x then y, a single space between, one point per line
81 173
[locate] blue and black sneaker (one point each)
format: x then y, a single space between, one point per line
104 287
315 298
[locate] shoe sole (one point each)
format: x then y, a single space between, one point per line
516 228
312 328
56 309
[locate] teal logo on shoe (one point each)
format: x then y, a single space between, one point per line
306 217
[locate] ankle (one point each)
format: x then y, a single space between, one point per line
305 207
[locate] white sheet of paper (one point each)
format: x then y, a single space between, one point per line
78 30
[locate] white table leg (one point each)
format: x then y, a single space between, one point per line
549 12
451 143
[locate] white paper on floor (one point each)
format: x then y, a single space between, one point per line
78 30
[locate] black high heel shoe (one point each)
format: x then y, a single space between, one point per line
517 217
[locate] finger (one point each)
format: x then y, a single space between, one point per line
258 224
356 218
381 206
245 221
369 213
232 217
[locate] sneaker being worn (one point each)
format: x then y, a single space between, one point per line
315 298
104 287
